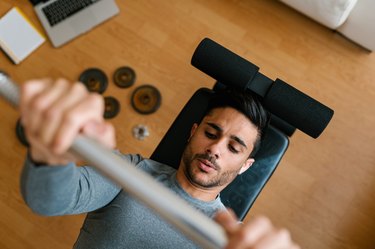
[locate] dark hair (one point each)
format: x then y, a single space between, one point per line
247 103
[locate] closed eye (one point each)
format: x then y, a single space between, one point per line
232 149
210 135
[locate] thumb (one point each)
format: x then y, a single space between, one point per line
103 132
228 220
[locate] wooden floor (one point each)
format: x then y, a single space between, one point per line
323 190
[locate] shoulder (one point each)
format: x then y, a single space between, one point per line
152 167
131 158
156 169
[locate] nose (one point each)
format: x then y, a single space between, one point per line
215 149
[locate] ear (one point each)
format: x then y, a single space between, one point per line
246 165
193 129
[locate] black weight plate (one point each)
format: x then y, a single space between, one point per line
111 108
21 134
124 77
146 99
94 79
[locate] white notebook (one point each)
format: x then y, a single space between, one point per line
18 36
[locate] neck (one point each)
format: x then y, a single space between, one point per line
197 192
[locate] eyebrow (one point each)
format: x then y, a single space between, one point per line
219 129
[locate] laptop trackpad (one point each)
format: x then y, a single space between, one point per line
83 22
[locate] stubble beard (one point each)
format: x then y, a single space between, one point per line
219 179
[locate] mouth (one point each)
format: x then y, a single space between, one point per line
206 165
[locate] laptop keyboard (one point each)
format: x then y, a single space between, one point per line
62 9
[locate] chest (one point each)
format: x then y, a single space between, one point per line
125 223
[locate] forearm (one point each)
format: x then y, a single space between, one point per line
48 190
68 189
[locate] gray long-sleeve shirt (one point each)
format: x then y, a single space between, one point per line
114 219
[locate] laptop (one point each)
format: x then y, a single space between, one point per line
64 20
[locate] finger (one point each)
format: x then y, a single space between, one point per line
53 116
88 110
103 132
43 100
28 90
228 220
276 239
295 246
39 153
249 234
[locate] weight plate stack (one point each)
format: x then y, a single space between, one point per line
124 77
146 99
111 108
94 79
21 134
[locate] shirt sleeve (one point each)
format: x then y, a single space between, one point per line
66 189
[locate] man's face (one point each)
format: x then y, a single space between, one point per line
219 148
